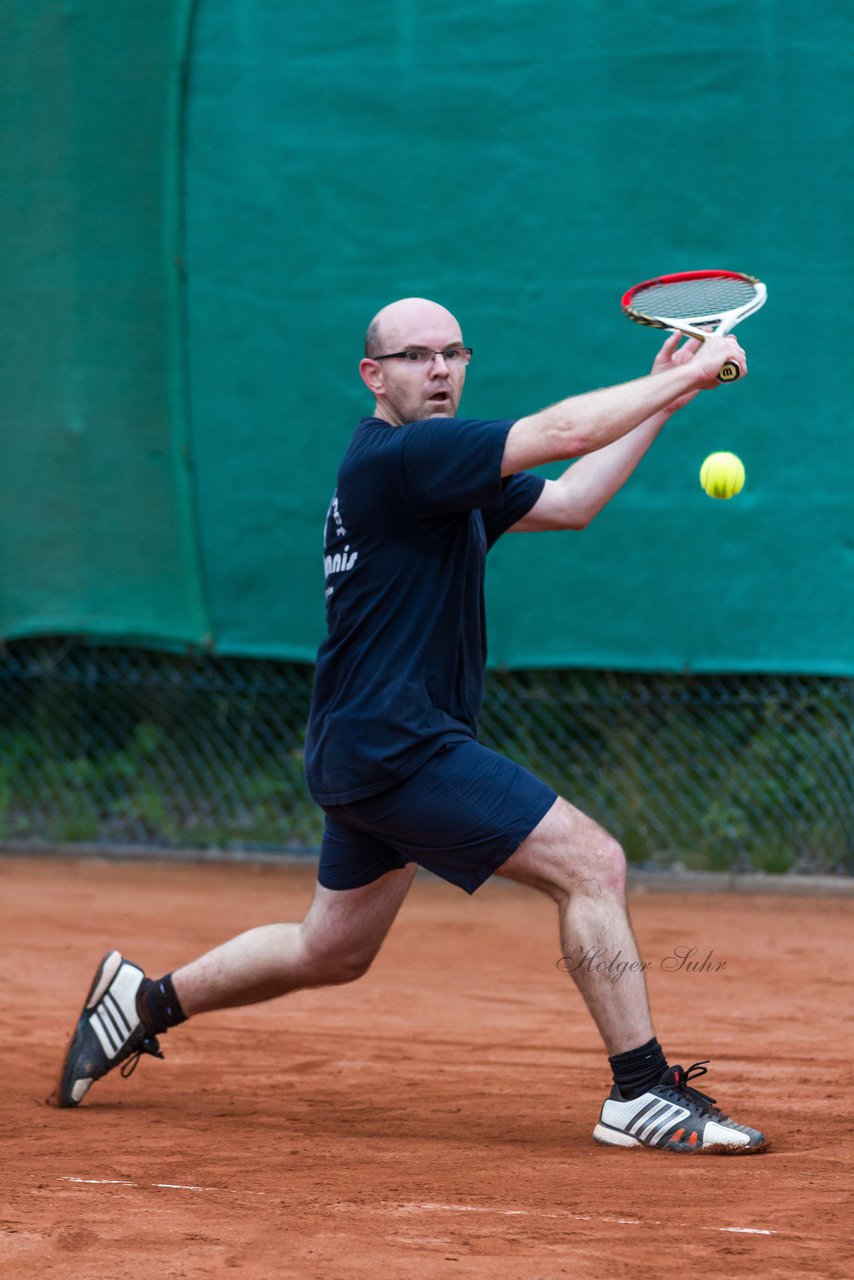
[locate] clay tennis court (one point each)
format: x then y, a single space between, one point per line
431 1120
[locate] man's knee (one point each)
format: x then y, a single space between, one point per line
609 861
333 963
569 853
352 967
595 865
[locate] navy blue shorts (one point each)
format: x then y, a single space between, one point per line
461 815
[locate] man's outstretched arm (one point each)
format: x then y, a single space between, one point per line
582 424
573 500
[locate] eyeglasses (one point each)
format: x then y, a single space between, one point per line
423 355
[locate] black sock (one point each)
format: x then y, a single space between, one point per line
638 1069
158 1006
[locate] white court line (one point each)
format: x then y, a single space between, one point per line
121 1182
433 1207
180 1186
101 1182
437 1207
429 1207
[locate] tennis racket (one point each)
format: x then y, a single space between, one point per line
697 303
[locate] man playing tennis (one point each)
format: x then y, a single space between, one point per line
392 753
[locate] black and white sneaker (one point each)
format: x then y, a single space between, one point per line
674 1117
108 1031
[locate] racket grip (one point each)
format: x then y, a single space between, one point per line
729 372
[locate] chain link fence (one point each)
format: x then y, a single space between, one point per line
124 747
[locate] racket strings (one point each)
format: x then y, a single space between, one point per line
683 299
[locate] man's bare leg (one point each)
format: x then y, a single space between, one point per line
576 862
336 942
572 859
125 1011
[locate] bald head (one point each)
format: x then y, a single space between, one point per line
405 322
406 390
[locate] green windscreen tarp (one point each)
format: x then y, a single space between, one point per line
522 163
97 532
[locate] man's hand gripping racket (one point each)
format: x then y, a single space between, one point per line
699 304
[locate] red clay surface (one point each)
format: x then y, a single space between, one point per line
433 1119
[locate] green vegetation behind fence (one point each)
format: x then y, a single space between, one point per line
126 747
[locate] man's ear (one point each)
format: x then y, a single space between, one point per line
372 375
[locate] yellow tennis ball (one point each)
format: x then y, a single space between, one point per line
722 475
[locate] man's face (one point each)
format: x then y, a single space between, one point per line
407 390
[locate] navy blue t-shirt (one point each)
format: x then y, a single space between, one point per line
401 671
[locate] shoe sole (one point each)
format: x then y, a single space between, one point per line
109 967
607 1137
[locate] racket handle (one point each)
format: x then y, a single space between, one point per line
729 372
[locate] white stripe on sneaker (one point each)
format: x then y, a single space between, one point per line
642 1106
115 1017
648 1116
666 1124
123 989
116 1014
670 1114
106 1035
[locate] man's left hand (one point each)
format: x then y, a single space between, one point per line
671 355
